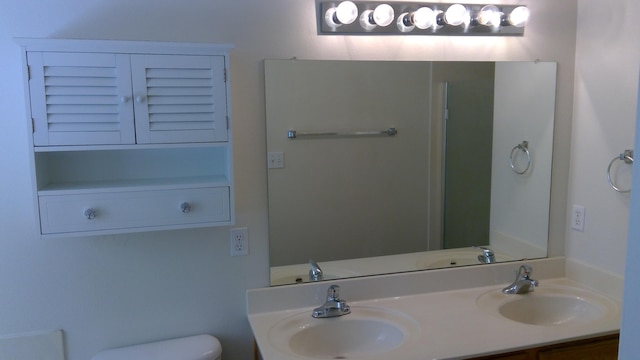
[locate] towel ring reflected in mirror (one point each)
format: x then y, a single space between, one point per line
524 147
627 157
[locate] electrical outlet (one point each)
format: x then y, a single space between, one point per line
239 241
577 218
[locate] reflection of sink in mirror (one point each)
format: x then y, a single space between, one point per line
549 306
299 273
367 331
454 257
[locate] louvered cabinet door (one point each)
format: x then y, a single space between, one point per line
179 98
80 98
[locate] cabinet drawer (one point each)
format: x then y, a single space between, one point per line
133 209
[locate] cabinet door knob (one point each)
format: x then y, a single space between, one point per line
90 213
140 99
124 99
185 207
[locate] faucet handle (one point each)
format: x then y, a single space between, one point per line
487 251
333 293
525 271
315 273
333 306
523 282
488 256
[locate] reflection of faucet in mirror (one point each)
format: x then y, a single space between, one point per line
487 256
523 282
315 273
334 306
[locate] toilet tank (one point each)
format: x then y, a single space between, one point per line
198 347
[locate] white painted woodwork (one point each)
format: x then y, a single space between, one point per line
80 98
130 130
41 345
133 209
179 98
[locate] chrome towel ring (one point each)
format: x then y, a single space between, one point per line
524 147
627 157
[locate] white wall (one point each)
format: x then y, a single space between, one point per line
606 103
607 63
116 290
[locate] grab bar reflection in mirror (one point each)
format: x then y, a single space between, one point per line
293 134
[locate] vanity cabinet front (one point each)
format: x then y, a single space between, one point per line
597 349
129 136
600 348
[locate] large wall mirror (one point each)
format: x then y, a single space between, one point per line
388 166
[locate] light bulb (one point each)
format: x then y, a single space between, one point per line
404 23
519 16
423 18
366 20
346 12
456 15
490 15
331 19
383 14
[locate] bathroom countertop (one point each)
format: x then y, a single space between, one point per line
450 325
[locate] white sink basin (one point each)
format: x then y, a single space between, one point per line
367 331
549 306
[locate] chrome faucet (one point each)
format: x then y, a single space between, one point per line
523 283
334 306
487 256
315 274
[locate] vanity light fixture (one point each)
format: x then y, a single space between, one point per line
419 18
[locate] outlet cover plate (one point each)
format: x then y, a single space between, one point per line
239 239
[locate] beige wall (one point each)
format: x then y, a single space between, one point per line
345 197
111 291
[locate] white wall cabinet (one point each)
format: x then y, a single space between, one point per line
129 136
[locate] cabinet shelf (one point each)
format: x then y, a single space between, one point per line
45 149
86 187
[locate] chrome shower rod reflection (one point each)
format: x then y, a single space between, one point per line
293 134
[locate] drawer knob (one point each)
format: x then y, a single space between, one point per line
140 99
185 207
90 213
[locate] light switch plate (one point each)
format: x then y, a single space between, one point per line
275 160
577 218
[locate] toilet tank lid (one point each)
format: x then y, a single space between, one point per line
198 347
